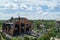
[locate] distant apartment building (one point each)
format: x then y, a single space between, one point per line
16 26
58 24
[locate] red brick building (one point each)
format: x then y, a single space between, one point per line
16 26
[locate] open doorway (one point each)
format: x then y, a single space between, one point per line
22 27
22 30
27 29
16 31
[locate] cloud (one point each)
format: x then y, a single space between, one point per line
32 9
31 16
24 4
38 8
4 16
14 6
25 7
9 5
50 15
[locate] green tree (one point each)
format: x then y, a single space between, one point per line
26 38
45 37
35 39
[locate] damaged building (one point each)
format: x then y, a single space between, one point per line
17 26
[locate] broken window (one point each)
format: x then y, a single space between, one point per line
4 27
8 27
27 25
16 25
22 24
27 28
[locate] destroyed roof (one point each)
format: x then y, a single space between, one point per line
15 19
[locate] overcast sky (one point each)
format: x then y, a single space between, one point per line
31 9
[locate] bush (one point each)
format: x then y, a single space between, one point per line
26 38
44 37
